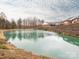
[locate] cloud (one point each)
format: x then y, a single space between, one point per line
51 10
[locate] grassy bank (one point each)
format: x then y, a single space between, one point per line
71 30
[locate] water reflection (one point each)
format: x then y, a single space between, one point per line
45 43
72 40
34 35
26 35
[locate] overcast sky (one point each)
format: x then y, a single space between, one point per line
51 10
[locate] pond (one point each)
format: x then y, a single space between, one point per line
45 43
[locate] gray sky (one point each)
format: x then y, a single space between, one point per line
51 10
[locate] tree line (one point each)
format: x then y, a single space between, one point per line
20 23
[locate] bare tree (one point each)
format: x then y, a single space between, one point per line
13 24
19 23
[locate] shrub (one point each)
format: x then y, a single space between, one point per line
2 46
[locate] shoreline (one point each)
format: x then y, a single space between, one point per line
10 47
32 55
60 31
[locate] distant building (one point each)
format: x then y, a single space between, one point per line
71 21
45 24
75 20
67 22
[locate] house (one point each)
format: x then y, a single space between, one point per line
67 22
75 20
45 24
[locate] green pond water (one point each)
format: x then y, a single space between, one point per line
45 43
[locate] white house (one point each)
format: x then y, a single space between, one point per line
76 20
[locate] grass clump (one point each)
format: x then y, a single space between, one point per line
2 46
